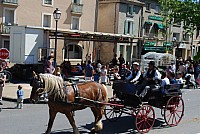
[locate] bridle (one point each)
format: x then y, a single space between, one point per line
40 85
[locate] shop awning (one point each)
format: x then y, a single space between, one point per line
148 23
158 25
167 44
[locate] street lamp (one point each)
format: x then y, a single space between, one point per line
56 15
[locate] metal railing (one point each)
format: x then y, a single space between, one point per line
9 1
5 28
77 8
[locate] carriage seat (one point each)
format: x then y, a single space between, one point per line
173 88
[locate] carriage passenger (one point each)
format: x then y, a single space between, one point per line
179 78
135 74
165 81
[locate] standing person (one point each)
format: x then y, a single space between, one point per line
57 72
89 70
2 82
49 68
20 97
121 62
114 60
104 77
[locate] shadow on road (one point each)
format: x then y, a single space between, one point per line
125 124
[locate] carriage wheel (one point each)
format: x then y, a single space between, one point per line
145 119
174 110
112 112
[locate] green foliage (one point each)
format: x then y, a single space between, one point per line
186 11
197 57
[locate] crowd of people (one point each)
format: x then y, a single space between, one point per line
175 73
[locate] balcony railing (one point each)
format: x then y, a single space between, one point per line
77 8
5 28
12 2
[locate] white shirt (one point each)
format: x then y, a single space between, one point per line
164 82
180 81
136 77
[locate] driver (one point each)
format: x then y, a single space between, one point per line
151 78
135 73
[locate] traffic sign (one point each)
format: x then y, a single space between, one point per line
4 53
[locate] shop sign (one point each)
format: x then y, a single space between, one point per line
152 17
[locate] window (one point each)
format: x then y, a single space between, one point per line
148 6
177 36
73 51
157 9
186 37
6 44
46 20
129 27
130 10
77 1
147 30
75 23
48 2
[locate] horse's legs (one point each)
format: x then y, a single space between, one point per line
98 113
72 122
52 115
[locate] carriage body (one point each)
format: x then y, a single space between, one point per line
125 98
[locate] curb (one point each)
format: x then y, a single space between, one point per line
15 100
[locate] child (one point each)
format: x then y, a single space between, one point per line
20 97
103 75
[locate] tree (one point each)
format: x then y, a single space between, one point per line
186 11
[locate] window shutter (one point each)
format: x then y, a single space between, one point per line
125 27
133 28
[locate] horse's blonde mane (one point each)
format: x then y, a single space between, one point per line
53 86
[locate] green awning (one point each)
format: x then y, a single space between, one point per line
167 44
148 23
149 43
160 26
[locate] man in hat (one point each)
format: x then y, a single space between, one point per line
151 76
135 73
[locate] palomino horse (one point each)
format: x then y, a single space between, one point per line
66 99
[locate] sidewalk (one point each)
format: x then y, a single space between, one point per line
10 91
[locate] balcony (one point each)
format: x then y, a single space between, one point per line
77 8
10 2
5 28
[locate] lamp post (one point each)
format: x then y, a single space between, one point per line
56 15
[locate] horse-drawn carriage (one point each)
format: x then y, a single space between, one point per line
128 102
67 99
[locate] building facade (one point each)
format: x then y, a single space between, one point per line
75 15
119 17
143 20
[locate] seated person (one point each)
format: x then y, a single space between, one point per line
179 78
151 76
164 81
171 77
135 73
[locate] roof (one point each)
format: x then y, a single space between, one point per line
87 35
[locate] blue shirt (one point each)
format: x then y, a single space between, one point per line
20 94
89 70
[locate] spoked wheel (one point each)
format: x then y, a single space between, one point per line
174 111
145 119
112 112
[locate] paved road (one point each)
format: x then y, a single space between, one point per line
34 117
